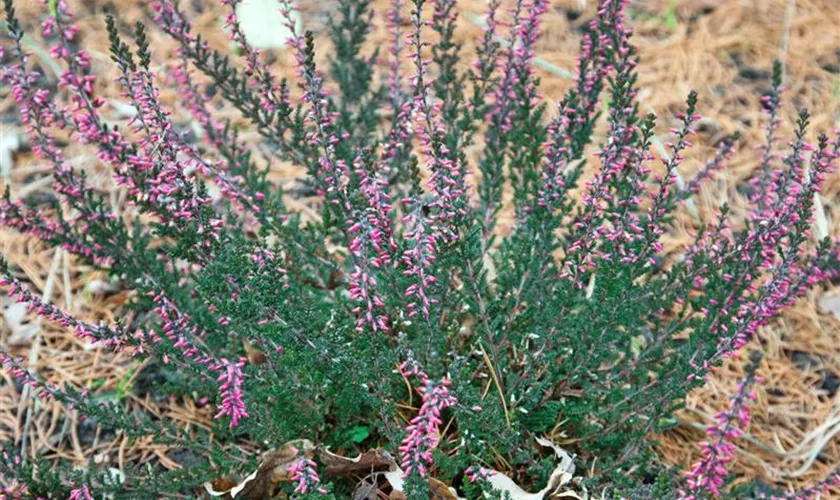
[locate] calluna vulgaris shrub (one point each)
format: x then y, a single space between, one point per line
400 320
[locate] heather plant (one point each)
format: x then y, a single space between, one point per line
400 320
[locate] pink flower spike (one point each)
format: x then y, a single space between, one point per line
423 433
230 389
709 474
305 477
82 493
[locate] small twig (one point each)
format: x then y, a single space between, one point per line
790 11
43 56
538 61
408 386
34 352
689 202
498 384
35 186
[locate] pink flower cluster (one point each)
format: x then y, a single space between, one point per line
13 490
39 113
764 183
218 136
418 259
709 474
811 492
423 433
179 329
653 230
477 474
372 246
69 235
305 477
169 161
169 192
94 333
230 377
722 154
447 181
783 221
593 66
519 55
22 376
82 493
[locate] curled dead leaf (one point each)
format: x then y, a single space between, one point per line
437 491
440 491
378 463
375 465
273 470
375 460
255 356
560 476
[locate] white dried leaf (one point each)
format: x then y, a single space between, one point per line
561 475
101 287
830 303
241 486
263 25
123 109
273 469
22 330
9 143
395 478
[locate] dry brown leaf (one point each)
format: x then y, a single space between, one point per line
437 491
366 490
440 491
375 460
260 484
379 461
255 356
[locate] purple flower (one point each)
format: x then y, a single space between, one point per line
423 433
230 390
305 477
709 474
82 493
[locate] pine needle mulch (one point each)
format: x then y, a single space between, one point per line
721 48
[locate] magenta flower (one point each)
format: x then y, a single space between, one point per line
709 474
82 493
423 433
418 259
811 492
230 390
372 247
305 477
477 474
